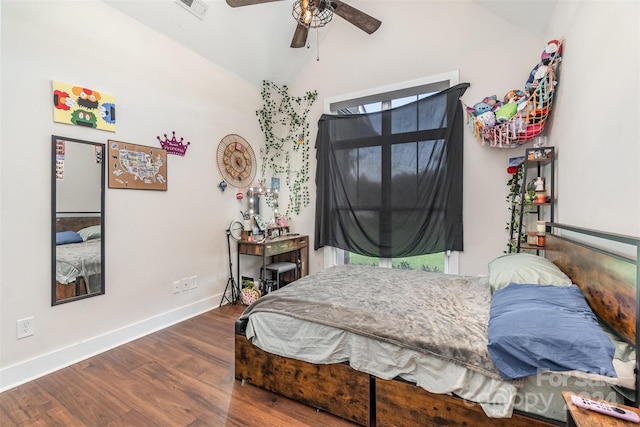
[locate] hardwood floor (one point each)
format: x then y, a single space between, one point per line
180 376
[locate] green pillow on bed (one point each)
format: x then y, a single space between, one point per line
524 268
90 233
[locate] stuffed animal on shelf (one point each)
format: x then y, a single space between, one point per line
507 111
553 50
515 95
487 119
517 125
490 103
532 81
520 115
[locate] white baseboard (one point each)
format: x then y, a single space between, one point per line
23 372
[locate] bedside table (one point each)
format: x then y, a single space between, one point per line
578 417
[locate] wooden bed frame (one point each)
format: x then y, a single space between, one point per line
73 223
608 280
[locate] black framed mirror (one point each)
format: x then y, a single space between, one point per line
77 219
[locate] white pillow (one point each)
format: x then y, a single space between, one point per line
524 268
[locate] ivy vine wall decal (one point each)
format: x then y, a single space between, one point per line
283 120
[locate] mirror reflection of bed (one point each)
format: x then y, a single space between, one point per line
77 219
78 262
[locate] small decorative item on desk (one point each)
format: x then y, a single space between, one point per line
274 232
258 223
246 226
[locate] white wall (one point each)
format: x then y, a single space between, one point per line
596 124
152 238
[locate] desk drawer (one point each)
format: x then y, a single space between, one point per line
249 248
276 247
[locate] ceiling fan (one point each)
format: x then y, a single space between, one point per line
316 13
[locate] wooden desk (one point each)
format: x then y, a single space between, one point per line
281 249
578 417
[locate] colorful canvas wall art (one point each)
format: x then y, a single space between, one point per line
80 106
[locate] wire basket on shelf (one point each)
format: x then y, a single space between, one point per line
523 114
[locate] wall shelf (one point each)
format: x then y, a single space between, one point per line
539 161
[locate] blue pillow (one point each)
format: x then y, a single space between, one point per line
534 328
64 237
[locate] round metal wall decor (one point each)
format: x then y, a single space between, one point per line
236 161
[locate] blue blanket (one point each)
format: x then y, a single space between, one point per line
534 328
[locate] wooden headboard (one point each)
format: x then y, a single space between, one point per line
75 223
609 281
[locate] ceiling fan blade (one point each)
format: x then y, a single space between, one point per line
300 36
366 23
238 3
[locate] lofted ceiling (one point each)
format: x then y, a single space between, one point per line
253 41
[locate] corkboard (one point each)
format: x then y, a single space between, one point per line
137 167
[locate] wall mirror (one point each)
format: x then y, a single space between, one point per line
77 219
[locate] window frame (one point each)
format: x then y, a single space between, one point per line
429 84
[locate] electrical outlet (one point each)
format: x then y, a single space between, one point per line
24 327
193 282
185 284
175 286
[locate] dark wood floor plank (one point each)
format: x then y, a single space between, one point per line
130 419
180 376
88 402
57 416
156 401
24 402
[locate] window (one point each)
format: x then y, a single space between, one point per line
406 163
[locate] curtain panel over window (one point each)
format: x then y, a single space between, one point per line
389 184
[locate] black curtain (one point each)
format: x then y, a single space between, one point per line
389 184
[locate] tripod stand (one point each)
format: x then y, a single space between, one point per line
231 282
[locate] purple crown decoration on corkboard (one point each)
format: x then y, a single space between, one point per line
173 146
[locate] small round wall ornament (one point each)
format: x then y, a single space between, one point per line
236 161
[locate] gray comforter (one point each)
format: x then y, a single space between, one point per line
78 259
437 314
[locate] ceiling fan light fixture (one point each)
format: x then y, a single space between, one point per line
312 13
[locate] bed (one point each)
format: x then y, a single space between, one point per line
416 382
78 256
